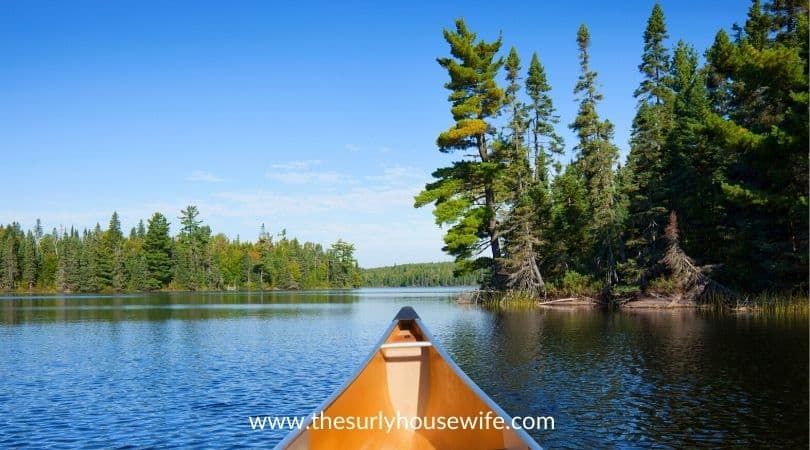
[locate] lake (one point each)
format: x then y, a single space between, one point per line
187 369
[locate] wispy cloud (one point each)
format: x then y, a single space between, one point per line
301 173
311 177
304 164
354 148
398 175
356 200
204 177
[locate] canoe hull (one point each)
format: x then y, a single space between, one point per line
407 376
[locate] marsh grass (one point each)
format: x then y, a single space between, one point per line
784 303
507 301
791 303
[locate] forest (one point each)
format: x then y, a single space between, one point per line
417 275
105 260
711 201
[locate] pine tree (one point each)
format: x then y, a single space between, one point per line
465 194
9 257
546 144
596 159
757 26
49 261
644 188
762 123
30 261
696 166
570 234
343 269
113 241
192 256
519 263
158 252
545 141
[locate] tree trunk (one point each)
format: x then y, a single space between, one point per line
492 225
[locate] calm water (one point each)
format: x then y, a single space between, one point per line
186 370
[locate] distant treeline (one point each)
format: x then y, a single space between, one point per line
417 275
105 260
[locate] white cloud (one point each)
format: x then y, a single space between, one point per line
304 164
357 200
398 175
310 177
300 172
203 176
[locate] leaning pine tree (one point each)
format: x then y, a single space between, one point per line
465 194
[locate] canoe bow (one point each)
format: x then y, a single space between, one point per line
408 374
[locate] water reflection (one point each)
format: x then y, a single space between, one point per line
186 370
677 378
166 306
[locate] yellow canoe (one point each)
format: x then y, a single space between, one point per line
408 375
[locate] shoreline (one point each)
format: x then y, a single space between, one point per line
646 302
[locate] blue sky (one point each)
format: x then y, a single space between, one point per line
320 118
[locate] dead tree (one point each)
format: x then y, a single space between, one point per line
692 280
520 265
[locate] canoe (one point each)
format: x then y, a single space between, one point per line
408 375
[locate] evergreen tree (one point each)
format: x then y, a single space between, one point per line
465 194
696 166
757 26
158 251
596 159
762 123
569 224
30 261
46 278
192 255
546 144
343 269
545 141
114 250
644 188
69 250
519 263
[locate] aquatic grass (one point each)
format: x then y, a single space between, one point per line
501 300
780 303
772 303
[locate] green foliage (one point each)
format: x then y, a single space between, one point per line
723 146
192 258
464 194
663 285
574 283
596 160
343 269
545 141
418 275
758 85
158 251
644 185
149 259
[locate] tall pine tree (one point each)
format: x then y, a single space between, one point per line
595 161
519 263
158 251
645 188
465 194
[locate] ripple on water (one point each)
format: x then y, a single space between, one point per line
130 374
